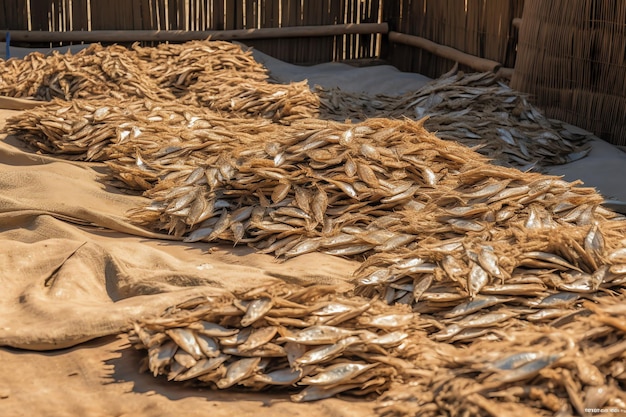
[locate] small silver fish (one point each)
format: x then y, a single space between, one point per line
209 347
203 366
186 340
337 374
212 329
315 392
256 310
161 356
287 376
477 279
326 352
524 371
258 337
237 371
318 335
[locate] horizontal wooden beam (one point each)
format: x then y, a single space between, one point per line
184 35
474 62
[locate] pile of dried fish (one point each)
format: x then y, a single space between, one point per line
177 67
222 77
94 71
213 74
290 338
110 130
577 367
459 251
438 227
281 338
436 224
477 110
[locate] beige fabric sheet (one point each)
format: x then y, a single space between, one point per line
74 274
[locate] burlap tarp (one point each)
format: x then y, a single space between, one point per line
73 269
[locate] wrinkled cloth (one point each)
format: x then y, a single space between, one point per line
73 268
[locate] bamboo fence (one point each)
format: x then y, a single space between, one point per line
572 59
211 15
483 28
477 27
568 54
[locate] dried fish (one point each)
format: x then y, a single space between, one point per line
524 371
238 371
337 374
318 335
286 376
256 310
203 366
356 354
464 251
212 329
186 340
258 338
314 392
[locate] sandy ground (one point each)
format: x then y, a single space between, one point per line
101 377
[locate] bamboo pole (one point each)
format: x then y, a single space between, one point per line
182 35
474 62
504 72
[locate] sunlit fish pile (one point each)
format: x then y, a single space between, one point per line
435 224
283 338
477 110
491 277
314 343
110 130
574 367
217 75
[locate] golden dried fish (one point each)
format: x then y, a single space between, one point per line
237 371
212 329
186 340
256 310
324 353
258 337
337 374
318 335
477 279
314 392
203 366
524 371
184 359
